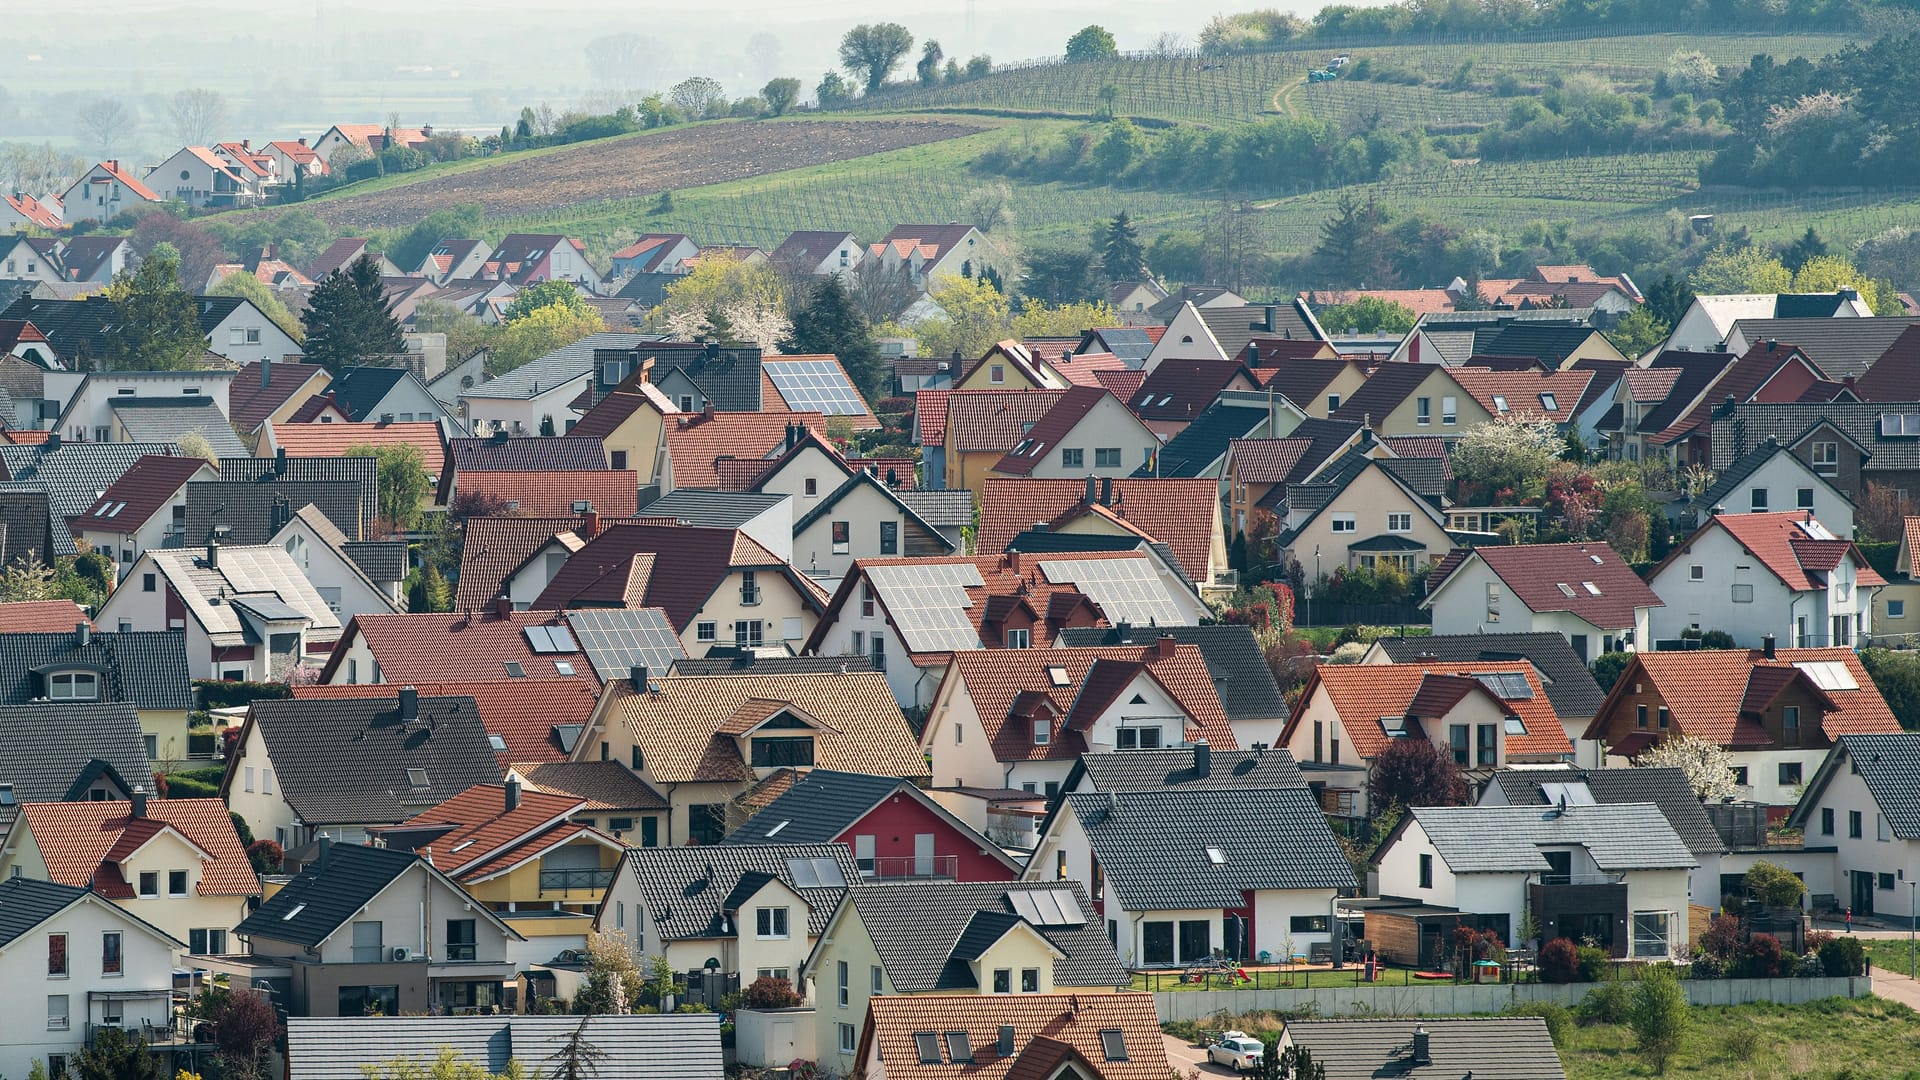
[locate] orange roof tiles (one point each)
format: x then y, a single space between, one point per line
992 421
1525 392
1049 1031
1708 690
450 646
1177 512
42 617
487 838
1363 693
113 169
1085 369
1554 577
334 440
1060 421
523 712
84 841
697 443
613 492
45 215
1782 542
1418 301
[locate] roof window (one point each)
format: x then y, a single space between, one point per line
417 777
498 744
1216 856
1548 402
1057 675
1113 1042
959 1047
297 909
1592 589
775 831
927 1045
515 671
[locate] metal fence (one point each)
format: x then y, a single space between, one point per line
1318 612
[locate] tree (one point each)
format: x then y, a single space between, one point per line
26 578
104 123
1774 886
1658 1015
402 481
830 322
196 249
928 69
411 247
1231 254
780 95
615 59
1058 275
577 1059
768 992
871 51
1120 256
348 319
1367 315
544 294
1505 454
1415 772
194 444
1808 246
1740 270
245 1029
833 92
1092 42
1896 674
1116 152
465 333
614 982
973 316
698 96
248 287
881 293
1883 512
1638 332
429 591
1607 668
1831 273
115 1055
538 333
727 299
1178 255
1709 768
156 322
1037 320
197 117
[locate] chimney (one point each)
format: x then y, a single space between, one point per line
326 851
213 553
1273 319
139 801
503 606
409 704
513 795
266 371
1163 648
1768 648
279 459
1202 758
82 633
1421 1053
1122 632
1772 343
1106 491
500 437
303 140
1013 561
590 522
53 441
713 350
1089 497
637 675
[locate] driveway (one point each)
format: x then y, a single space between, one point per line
1185 1058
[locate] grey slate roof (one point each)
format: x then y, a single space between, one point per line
255 511
686 888
915 927
1665 788
1483 1047
311 907
147 668
718 509
27 902
1890 767
674 1046
380 560
362 471
1154 845
1507 839
1746 465
26 527
1570 686
1239 669
44 748
1842 347
528 454
737 664
941 509
1152 770
1750 425
1550 342
1204 441
563 365
359 390
1233 327
75 474
818 807
345 760
167 420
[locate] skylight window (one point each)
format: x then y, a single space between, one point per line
417 777
775 831
563 667
1595 558
297 909
1113 1043
959 1047
927 1045
515 671
1057 675
498 744
1549 403
1516 726
1500 402
816 873
1566 589
1592 589
6 795
1216 856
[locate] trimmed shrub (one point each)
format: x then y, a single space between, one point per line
1762 958
1608 1003
1559 961
1595 964
1843 956
767 992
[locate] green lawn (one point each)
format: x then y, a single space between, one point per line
1889 954
1279 980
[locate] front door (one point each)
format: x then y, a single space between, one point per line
1862 892
1579 643
923 854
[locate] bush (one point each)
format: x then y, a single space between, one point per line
1608 666
221 694
1559 961
1722 937
1843 956
1595 964
1559 1018
1716 639
1774 886
266 856
1658 1012
1610 1002
767 992
181 786
1762 958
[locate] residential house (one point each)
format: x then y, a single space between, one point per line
1775 711
20 212
369 137
1615 874
171 420
1010 365
1584 591
1852 444
1418 301
145 508
31 538
1652 398
254 511
530 721
1768 372
815 382
354 577
1366 513
862 517
1484 715
247 612
176 864
1843 348
1190 768
72 956
1183 514
1666 788
1178 391
894 829
54 751
1483 1047
201 179
976 428
1758 482
703 740
335 440
530 258
927 253
654 253
1569 685
1111 1037
1529 396
294 160
633 812
537 398
1258 471
41 616
31 258
1866 778
819 253
1222 332
307 766
368 930
766 519
651 1047
81 665
454 259
948 942
373 394
1451 338
1184 874
1708 321
344 252
271 391
495 547
1200 296
97 260
1249 695
1781 575
1413 399
1065 442
264 265
1556 343
1019 718
1317 386
594 647
103 193
1893 601
191 400
498 457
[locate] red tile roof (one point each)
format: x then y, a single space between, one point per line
1182 389
671 567
1651 384
486 837
451 647
1554 577
1707 692
140 492
1122 383
1910 547
1525 392
249 404
992 421
1177 512
1363 693
85 841
24 438
699 443
494 547
1894 375
297 152
613 410
113 169
1788 549
1059 422
1085 369
1418 301
1743 381
994 678
42 617
43 215
523 712
334 440
1049 1032
613 492
930 417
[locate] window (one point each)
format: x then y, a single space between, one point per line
959 1047
1493 601
1344 523
1549 403
1789 773
57 956
1423 411
1072 457
149 883
515 670
846 1038
177 881
1113 1044
1106 457
1399 523
770 922
208 942
876 980
1853 824
1886 881
1426 871
74 686
1640 716
1156 942
1004 1045
1487 745
866 601
1449 410
1666 716
1759 500
1880 831
1650 934
56 1012
997 373
749 589
1003 980
617 459
812 487
844 992
927 1045
1790 717
1826 458
889 538
1896 609
368 937
1029 980
460 939
842 537
704 631
1500 403
1740 775
110 958
778 753
1803 499
1333 404
148 582
649 832
1137 738
859 642
1019 639
1742 592
1826 821
1308 924
1457 737
748 634
369 1001
1042 732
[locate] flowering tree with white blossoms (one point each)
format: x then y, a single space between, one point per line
1709 768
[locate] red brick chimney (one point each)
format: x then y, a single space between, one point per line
1163 648
503 606
590 523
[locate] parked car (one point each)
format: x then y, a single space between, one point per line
1237 1050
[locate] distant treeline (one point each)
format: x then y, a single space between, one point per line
1846 120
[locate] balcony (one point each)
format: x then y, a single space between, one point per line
749 597
911 866
1579 879
568 880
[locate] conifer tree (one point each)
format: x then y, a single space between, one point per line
347 318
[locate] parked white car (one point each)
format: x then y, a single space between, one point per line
1237 1050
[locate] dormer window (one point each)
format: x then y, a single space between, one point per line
1042 731
73 686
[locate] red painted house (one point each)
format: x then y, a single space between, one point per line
896 830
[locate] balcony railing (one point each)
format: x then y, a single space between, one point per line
567 880
911 866
1226 579
1580 879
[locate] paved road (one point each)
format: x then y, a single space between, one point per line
1185 1058
1898 988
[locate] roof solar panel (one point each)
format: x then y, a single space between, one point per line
617 639
929 603
1126 590
814 386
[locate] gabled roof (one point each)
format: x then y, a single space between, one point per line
1792 545
1697 372
616 408
915 927
334 440
1363 695
1177 512
1301 381
1525 393
809 248
86 256
1384 390
83 843
1483 1047
1744 380
337 254
865 479
1710 691
611 491
1183 389
113 169
475 835
140 492
1843 348
1552 342
315 905
1053 1035
28 902
245 576
1897 371
931 241
352 760
1874 428
146 668
1241 677
523 713
1589 580
528 454
701 447
1233 327
822 804
686 890
45 748
74 474
36 213
274 477
249 404
1570 686
1729 479
605 785
168 420
494 548
1666 788
41 617
1619 837
984 421
1888 763
672 567
253 511
458 647
1155 770
651 1047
